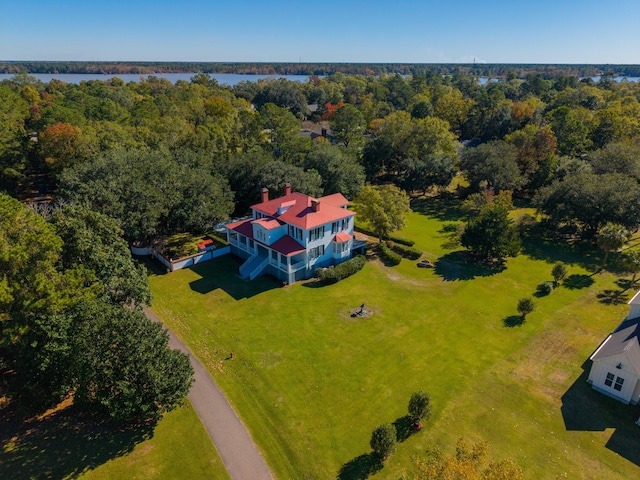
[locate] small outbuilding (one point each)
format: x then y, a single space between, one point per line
616 363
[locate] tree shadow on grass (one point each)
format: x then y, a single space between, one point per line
460 265
613 297
361 467
553 250
578 282
403 428
513 321
63 444
445 206
624 283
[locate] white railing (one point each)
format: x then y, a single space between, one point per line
258 269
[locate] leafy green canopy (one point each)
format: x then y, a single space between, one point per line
66 317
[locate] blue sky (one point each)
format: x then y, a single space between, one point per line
493 31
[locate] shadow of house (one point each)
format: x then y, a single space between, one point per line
63 444
584 409
221 274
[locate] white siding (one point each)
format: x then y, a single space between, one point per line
598 375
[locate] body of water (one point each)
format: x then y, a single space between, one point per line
230 79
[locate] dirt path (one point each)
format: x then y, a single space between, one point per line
229 435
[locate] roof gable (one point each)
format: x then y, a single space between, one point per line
624 340
297 209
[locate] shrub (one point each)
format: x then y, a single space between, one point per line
545 288
391 257
419 406
383 440
404 250
559 272
403 241
342 270
526 306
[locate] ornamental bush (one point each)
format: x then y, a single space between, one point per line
342 270
383 440
404 250
545 288
391 257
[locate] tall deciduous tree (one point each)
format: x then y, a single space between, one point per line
125 367
494 163
383 207
95 240
347 125
492 234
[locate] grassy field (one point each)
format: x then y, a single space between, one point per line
66 443
311 383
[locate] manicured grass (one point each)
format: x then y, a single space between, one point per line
311 383
67 443
180 448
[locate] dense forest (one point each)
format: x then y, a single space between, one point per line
133 162
490 70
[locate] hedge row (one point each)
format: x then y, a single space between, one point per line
404 250
391 257
342 270
393 238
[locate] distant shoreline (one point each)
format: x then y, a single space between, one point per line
497 70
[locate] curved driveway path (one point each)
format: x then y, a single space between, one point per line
238 452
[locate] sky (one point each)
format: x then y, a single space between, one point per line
446 31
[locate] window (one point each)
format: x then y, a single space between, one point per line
609 381
274 256
316 233
618 385
345 224
316 252
295 232
341 247
335 227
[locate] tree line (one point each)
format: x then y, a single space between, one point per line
490 70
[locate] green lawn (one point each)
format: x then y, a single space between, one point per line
67 443
311 383
180 448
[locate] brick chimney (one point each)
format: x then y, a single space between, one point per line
287 189
265 195
315 205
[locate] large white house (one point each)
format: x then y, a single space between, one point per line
616 363
290 236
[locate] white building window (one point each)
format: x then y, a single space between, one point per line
609 381
618 385
316 233
316 252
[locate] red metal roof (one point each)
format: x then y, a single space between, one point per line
301 213
204 244
287 246
342 237
243 227
268 223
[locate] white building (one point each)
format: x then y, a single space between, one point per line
616 363
290 236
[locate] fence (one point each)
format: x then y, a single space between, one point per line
185 262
